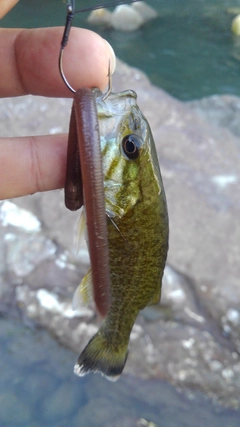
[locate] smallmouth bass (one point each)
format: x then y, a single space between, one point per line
137 223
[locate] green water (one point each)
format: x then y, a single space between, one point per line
189 50
38 388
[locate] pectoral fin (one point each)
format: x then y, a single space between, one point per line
81 230
84 292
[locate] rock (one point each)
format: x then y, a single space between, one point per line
52 406
236 25
13 410
147 12
37 385
100 17
220 111
144 423
130 422
100 409
122 422
44 385
195 341
125 18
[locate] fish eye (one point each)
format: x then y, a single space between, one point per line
131 145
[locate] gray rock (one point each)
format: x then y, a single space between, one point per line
195 340
99 410
147 12
221 111
125 18
13 410
36 387
60 404
100 17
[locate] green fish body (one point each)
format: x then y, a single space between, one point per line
137 222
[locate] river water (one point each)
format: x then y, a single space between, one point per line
190 52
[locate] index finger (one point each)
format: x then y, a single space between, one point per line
29 61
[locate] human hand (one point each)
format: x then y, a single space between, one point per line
29 65
6 5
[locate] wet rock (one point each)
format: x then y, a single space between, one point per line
122 422
13 410
124 17
147 12
99 409
129 400
102 409
52 406
130 422
33 424
236 25
37 386
144 423
100 17
220 111
195 340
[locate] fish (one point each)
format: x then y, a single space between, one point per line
137 230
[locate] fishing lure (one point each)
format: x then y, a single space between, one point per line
112 169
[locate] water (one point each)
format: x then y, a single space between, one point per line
38 388
189 50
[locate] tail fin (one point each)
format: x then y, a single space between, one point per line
100 356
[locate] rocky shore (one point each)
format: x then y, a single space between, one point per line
194 340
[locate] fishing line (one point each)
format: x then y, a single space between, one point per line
104 5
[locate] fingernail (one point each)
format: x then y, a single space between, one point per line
112 57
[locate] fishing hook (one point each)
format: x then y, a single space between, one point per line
69 19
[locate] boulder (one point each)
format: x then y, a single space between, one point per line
147 12
100 17
236 25
125 18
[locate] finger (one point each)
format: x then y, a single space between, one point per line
32 164
29 61
5 6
